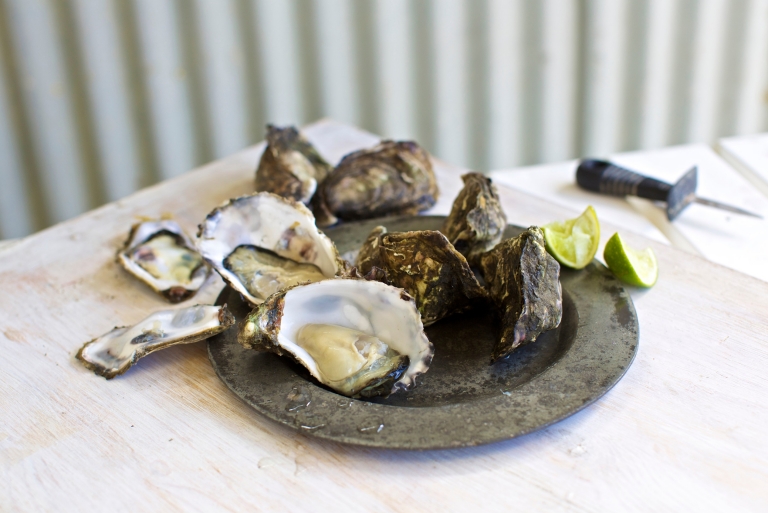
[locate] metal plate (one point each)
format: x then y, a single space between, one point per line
462 400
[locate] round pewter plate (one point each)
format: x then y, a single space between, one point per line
462 400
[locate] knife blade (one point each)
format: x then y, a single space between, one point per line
608 178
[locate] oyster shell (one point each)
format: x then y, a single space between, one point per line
524 283
360 338
426 265
390 178
161 255
477 221
263 243
116 351
290 166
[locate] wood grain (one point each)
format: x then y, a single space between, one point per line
684 429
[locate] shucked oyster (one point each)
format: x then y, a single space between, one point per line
263 243
161 255
388 179
476 222
360 338
425 265
115 352
524 283
290 166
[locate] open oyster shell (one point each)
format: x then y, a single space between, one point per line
263 243
388 179
360 338
426 265
290 166
161 255
524 283
477 221
116 351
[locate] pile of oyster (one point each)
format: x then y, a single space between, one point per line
357 327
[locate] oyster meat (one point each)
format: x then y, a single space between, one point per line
116 351
524 283
389 179
477 221
161 255
361 338
290 166
426 266
263 243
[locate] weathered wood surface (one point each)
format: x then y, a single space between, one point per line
684 429
732 240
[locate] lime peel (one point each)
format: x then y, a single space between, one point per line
638 268
574 242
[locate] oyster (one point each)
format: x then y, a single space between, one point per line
476 222
388 179
116 351
524 283
290 166
161 255
360 338
426 265
263 243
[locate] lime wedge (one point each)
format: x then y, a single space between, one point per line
629 265
574 242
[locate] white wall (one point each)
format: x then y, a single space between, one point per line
100 97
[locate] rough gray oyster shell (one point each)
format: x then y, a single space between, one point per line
361 338
161 255
524 283
116 351
392 178
290 166
477 221
426 266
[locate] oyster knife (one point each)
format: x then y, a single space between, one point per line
607 178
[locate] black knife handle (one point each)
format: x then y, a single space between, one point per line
607 178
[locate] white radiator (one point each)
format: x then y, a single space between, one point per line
101 97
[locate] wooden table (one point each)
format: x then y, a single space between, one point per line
685 429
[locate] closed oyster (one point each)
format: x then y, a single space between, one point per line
524 283
116 351
477 221
388 179
360 338
426 265
290 166
263 243
161 255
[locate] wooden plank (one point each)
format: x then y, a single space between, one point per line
278 44
752 109
450 80
166 83
395 68
748 154
108 92
505 83
336 50
15 214
658 74
605 72
168 435
224 74
559 80
48 101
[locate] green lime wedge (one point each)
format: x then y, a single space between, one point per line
637 268
574 242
